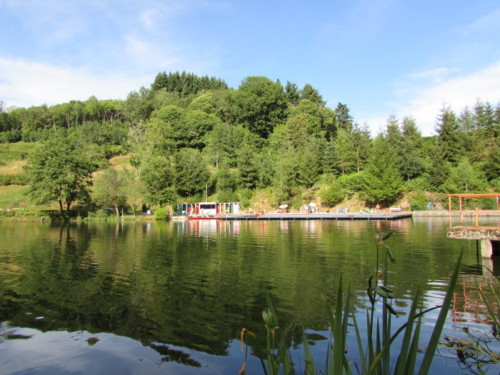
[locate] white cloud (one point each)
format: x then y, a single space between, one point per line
456 92
436 75
148 18
27 83
486 23
425 93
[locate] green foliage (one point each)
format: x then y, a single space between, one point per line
344 151
310 93
417 184
244 196
251 129
184 84
157 175
465 178
448 135
418 201
260 105
354 183
439 168
58 172
110 190
343 117
285 174
246 165
332 194
13 179
384 179
161 213
191 173
309 164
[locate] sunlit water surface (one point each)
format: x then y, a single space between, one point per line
158 297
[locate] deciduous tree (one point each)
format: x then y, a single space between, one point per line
58 172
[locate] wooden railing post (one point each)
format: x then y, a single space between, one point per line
449 209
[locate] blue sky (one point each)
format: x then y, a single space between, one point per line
380 57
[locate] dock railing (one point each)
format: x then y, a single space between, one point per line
475 216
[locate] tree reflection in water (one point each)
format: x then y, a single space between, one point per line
184 290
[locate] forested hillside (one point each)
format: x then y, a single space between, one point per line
189 137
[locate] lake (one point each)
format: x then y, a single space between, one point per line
173 297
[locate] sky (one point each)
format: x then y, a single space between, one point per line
379 57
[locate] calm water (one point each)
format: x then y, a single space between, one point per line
156 298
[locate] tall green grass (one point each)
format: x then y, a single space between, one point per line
376 349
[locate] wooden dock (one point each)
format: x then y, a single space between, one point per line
320 216
487 236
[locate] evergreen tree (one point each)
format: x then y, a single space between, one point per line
191 173
185 84
439 167
310 93
343 117
296 131
465 178
285 174
412 164
449 136
309 164
248 171
361 144
468 132
344 151
384 179
157 174
487 138
329 160
312 114
292 93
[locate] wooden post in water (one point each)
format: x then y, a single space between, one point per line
461 214
449 209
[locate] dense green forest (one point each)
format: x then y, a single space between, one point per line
189 137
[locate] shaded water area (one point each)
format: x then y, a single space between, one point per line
173 297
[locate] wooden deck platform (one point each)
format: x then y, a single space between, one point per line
474 233
320 216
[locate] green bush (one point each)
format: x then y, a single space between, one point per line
332 194
417 184
418 201
354 183
161 213
13 179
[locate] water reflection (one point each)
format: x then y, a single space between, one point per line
184 290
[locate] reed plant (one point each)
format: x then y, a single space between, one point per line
376 349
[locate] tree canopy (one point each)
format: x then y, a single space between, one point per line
188 135
58 172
